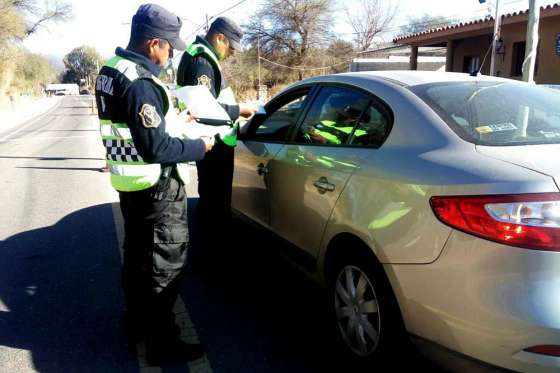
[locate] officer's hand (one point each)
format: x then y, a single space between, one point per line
247 110
208 142
187 117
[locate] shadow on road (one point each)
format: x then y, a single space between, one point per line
60 286
63 303
257 313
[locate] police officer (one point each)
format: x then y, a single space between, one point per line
135 113
200 65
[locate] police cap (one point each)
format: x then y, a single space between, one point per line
154 21
230 29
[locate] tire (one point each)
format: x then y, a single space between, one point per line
366 314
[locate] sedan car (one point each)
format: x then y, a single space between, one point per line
427 204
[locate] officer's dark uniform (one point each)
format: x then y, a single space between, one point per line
155 217
215 171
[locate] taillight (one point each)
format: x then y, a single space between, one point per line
549 350
531 221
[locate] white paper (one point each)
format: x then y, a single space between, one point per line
179 127
201 103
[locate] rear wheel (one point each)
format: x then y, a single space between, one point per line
366 312
357 310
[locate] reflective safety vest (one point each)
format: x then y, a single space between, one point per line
330 131
129 172
226 95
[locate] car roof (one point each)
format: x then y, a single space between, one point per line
404 77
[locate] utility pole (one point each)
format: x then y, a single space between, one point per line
495 37
259 55
206 26
532 41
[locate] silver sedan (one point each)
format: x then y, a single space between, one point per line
427 203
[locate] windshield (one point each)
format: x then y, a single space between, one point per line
496 113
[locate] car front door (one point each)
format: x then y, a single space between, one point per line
254 154
312 169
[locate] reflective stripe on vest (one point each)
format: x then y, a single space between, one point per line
128 170
225 96
197 49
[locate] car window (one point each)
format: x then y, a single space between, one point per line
332 117
496 113
276 126
372 128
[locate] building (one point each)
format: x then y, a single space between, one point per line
62 89
426 63
397 58
468 43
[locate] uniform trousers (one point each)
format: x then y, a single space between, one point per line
155 250
213 214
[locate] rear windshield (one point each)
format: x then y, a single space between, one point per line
496 113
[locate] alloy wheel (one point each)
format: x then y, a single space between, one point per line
357 310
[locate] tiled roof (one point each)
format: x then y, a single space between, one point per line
488 19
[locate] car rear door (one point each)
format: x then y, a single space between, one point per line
312 169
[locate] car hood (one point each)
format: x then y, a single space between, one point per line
541 158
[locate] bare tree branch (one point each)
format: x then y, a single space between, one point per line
290 29
371 20
59 12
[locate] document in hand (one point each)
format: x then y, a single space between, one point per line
210 117
201 104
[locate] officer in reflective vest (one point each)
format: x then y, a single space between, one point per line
135 113
200 65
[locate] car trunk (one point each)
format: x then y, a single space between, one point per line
541 158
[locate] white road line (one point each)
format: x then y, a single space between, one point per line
182 317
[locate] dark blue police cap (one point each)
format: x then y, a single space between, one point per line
154 21
230 29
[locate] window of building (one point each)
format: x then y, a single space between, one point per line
517 58
471 63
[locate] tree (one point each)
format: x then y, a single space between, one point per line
18 19
39 15
426 22
33 73
372 19
12 24
82 63
288 30
339 54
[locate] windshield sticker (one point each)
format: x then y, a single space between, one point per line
550 134
501 127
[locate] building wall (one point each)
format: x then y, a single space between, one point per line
383 66
548 70
476 47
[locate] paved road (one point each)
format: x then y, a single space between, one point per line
60 303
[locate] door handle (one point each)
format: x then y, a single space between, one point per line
323 185
262 170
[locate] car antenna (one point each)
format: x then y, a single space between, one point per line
476 72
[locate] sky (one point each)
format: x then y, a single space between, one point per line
105 24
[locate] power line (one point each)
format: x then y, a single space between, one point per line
214 16
304 68
455 18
